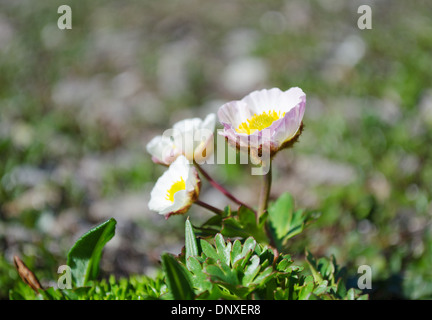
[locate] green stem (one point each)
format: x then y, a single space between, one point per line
264 198
265 191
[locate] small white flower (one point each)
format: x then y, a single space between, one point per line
192 138
272 118
176 190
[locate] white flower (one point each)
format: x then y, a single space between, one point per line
270 119
192 138
176 190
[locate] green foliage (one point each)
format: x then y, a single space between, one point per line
84 256
211 268
284 221
281 220
132 288
176 277
223 269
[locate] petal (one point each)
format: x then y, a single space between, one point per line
153 147
203 139
291 98
181 200
291 102
234 113
191 181
286 128
188 124
209 122
158 201
179 169
189 134
162 150
274 99
264 100
237 140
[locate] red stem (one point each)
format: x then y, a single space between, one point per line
209 207
221 188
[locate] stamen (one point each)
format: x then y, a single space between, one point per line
177 186
259 122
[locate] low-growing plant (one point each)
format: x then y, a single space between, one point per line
240 253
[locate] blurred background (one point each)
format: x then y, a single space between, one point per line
78 106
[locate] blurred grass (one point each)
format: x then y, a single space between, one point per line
78 106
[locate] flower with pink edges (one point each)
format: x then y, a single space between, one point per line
267 120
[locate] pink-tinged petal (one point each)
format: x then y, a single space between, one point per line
291 103
291 98
273 99
186 137
158 161
287 127
234 113
162 150
237 140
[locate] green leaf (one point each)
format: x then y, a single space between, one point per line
350 294
231 227
222 273
247 250
280 214
236 252
210 227
284 263
224 251
209 250
249 244
284 222
51 294
251 270
190 241
178 280
247 217
313 267
84 256
321 288
244 225
281 294
198 277
264 276
307 288
341 289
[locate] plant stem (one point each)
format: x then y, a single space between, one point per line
209 207
220 188
265 191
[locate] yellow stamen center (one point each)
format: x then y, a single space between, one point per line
259 122
177 186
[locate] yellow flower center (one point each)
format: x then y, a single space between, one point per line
177 186
259 122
